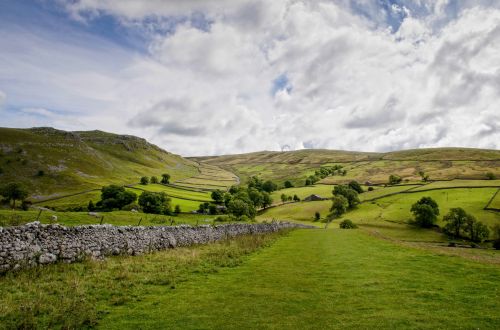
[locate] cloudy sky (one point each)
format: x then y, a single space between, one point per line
204 77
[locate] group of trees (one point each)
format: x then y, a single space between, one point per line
345 197
459 224
165 179
13 192
115 197
325 171
285 198
242 202
394 179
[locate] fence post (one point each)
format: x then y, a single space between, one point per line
38 216
139 221
102 218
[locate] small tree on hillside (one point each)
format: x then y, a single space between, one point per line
144 180
490 176
354 185
91 206
14 191
153 179
317 216
425 211
296 198
284 198
156 203
339 206
165 178
455 220
477 230
288 184
266 200
394 179
218 196
177 209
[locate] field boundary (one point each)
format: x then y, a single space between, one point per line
491 200
65 196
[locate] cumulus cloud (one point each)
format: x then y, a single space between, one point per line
251 75
3 97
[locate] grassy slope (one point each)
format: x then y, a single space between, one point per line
389 215
76 161
439 163
326 279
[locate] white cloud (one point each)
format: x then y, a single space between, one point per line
352 84
3 97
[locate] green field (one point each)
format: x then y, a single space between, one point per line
117 218
322 190
391 212
317 279
459 183
495 203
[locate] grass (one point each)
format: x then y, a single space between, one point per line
391 215
81 295
379 192
302 192
459 183
495 203
118 218
309 279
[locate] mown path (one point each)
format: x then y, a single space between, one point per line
317 279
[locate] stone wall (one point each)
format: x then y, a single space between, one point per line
36 244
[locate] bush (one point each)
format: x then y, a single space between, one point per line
490 176
40 173
370 188
496 244
157 203
153 179
394 179
317 216
354 185
144 180
288 184
347 224
223 218
177 209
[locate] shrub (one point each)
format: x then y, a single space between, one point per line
347 224
490 176
317 216
339 206
370 188
40 173
350 194
115 197
144 180
153 179
165 178
223 218
354 185
296 198
288 184
394 179
157 203
177 209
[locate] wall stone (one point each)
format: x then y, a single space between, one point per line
37 244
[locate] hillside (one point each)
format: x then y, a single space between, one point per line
76 161
438 163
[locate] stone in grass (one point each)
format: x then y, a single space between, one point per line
47 258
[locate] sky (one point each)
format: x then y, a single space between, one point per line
211 77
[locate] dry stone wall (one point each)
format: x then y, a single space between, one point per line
37 244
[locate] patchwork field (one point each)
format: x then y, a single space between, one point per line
209 178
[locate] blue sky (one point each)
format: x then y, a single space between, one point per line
214 77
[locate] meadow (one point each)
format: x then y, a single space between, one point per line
306 279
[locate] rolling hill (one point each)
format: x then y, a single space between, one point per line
52 162
438 163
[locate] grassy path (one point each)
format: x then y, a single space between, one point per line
316 279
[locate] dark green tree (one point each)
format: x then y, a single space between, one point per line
476 230
144 180
14 191
177 209
165 178
153 179
269 186
91 206
455 220
354 185
394 179
350 194
218 196
425 212
339 206
288 184
317 216
266 200
156 203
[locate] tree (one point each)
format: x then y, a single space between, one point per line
40 173
394 179
284 198
212 209
348 193
115 197
269 186
490 176
177 209
14 191
239 208
91 206
317 216
423 176
144 180
288 184
354 185
204 208
425 211
156 203
308 182
218 196
255 196
266 200
153 179
165 178
476 230
455 221
296 198
339 206
496 242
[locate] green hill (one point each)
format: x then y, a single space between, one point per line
438 163
77 161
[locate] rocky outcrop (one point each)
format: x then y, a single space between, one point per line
36 244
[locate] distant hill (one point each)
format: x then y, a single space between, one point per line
75 161
438 163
